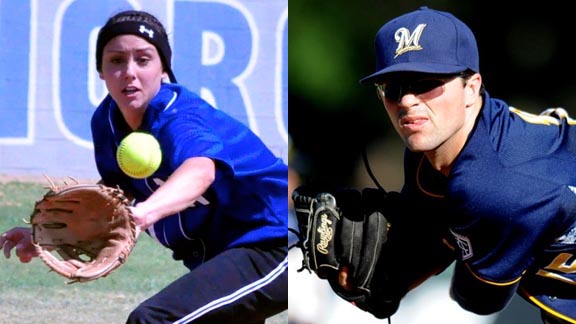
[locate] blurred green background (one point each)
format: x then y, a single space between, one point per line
525 59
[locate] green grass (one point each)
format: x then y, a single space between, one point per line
30 294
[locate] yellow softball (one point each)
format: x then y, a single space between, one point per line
139 155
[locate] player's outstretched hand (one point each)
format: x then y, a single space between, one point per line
20 239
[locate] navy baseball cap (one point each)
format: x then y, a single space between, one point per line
426 41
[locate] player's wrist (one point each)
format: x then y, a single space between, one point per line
143 214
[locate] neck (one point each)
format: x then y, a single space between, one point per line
442 158
133 117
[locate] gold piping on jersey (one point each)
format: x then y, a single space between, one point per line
420 185
494 283
542 306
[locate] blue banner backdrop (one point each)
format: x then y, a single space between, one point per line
234 53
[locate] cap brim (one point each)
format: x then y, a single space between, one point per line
413 67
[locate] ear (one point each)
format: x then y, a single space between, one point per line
472 88
100 75
379 94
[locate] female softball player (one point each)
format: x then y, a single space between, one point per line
218 199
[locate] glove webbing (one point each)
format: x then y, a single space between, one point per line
304 201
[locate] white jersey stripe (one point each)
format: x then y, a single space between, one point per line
236 295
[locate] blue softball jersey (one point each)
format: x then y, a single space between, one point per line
247 203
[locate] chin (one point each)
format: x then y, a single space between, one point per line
413 144
418 146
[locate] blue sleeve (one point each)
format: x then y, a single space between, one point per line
479 296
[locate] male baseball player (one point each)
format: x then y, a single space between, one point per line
487 186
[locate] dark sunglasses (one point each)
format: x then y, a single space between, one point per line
394 90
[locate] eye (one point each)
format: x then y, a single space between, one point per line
115 58
143 60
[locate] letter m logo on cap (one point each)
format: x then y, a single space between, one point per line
408 41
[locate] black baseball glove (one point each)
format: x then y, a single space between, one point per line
345 228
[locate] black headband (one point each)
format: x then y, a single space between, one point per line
138 28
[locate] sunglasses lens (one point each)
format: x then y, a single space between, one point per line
423 86
393 91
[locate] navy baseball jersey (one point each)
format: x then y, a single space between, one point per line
507 208
247 203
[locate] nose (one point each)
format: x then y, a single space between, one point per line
408 99
129 70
